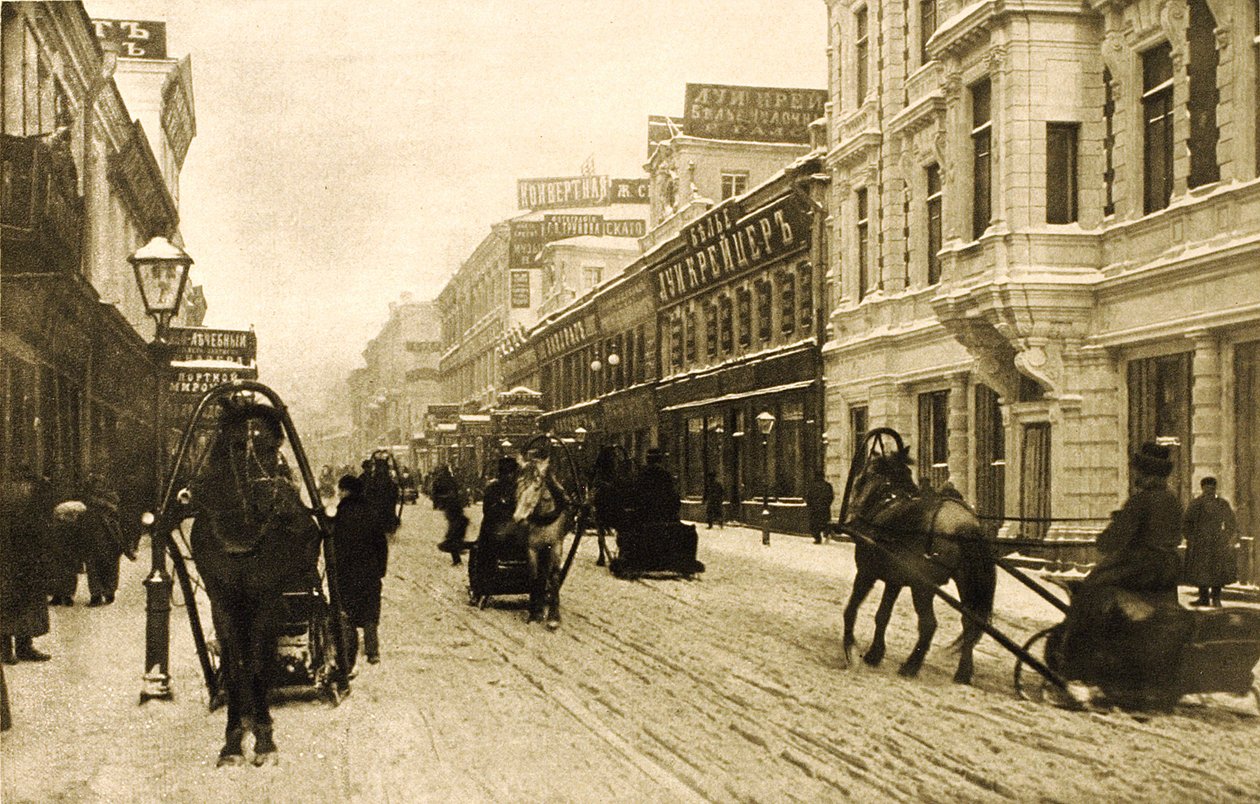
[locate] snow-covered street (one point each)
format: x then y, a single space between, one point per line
728 687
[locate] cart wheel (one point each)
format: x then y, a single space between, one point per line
1029 684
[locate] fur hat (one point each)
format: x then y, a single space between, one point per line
1153 459
508 465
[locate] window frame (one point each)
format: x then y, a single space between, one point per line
862 48
1063 178
1157 130
738 183
933 206
862 227
981 156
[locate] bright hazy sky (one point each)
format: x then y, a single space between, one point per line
349 151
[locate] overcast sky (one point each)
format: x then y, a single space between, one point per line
349 151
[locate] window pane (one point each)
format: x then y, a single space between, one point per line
743 300
1060 172
787 302
934 224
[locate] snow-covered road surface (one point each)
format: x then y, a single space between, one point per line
731 687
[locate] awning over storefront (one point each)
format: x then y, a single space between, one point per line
717 400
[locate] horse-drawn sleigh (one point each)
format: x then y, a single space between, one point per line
262 553
1137 651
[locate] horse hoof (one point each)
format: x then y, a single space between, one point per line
962 678
599 562
228 760
873 658
908 671
553 624
266 758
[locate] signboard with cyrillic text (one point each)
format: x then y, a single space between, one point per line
753 114
140 39
203 343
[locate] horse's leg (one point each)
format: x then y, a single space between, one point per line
600 533
264 628
535 592
230 660
553 584
875 653
862 586
924 599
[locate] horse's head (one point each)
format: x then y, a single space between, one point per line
531 487
883 477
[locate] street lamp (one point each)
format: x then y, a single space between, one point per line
765 423
161 269
579 435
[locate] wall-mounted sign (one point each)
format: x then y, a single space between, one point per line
572 191
196 381
628 191
141 39
558 227
724 247
525 240
630 228
563 338
520 288
757 114
202 343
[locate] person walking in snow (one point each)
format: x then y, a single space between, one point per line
1211 539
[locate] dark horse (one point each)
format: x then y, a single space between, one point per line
921 541
252 538
545 514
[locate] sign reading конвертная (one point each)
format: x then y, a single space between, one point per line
755 114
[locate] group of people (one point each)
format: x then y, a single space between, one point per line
819 495
46 540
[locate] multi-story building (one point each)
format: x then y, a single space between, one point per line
82 191
1046 245
390 395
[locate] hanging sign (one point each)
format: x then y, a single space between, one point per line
203 343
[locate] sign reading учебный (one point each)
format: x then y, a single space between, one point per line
722 244
755 114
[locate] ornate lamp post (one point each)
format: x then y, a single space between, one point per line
765 423
161 269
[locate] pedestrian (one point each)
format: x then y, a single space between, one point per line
26 508
818 499
1211 540
103 540
66 549
656 494
714 496
380 489
362 551
450 500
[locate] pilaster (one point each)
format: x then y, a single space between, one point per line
1206 447
960 433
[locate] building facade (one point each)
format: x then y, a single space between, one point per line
83 190
1045 247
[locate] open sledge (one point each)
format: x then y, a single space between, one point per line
1144 652
311 651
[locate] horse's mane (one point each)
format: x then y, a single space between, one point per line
233 418
895 469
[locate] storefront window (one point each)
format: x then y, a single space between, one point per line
693 458
934 438
789 435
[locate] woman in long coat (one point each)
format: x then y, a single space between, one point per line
362 554
25 512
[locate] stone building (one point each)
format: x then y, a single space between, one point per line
83 190
1046 246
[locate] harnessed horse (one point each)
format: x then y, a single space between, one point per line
252 538
545 512
921 541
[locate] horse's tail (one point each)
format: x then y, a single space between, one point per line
977 575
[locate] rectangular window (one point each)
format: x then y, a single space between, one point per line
805 283
1203 96
934 438
640 354
863 244
1061 172
982 158
859 423
591 276
933 224
1157 115
675 341
1109 142
726 325
787 302
691 336
520 288
710 330
764 312
743 311
1160 410
863 53
927 26
734 182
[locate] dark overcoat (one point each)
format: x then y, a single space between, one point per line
1139 547
818 499
656 495
1210 532
25 515
362 555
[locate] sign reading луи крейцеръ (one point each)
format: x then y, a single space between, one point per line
140 39
721 244
753 114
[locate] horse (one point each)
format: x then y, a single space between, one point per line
921 541
252 538
545 514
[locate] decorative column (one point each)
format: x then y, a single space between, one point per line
960 434
1205 406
